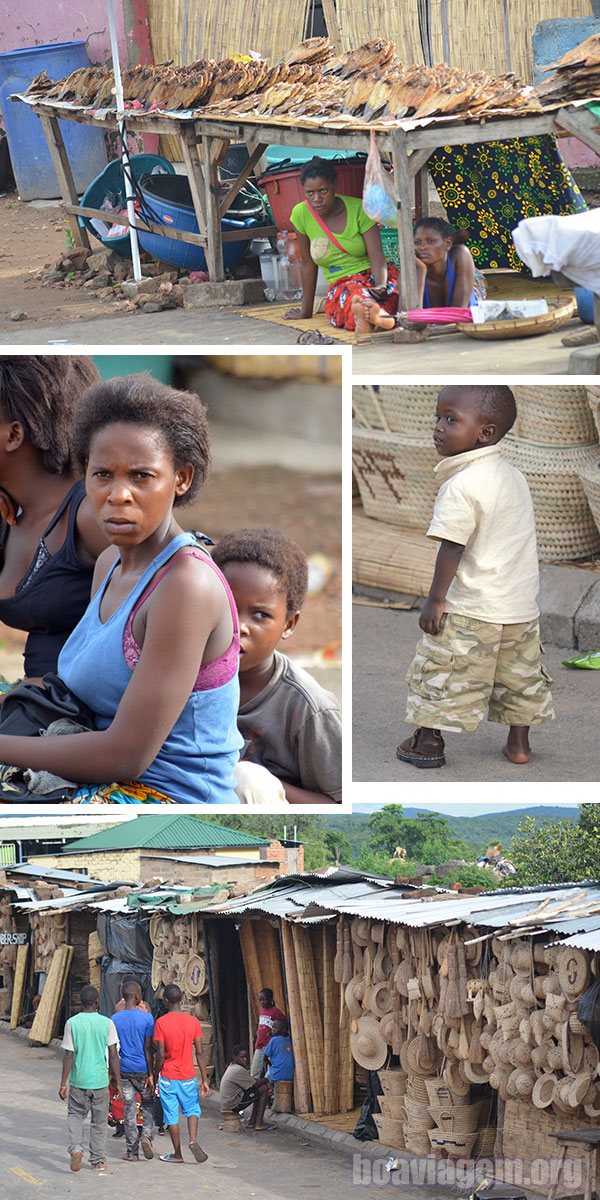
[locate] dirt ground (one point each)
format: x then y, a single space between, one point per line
32 237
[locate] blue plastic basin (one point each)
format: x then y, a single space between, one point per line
32 165
168 202
111 181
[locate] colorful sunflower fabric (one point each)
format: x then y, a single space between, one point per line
120 793
489 187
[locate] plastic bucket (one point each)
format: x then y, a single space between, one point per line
169 202
283 188
34 174
111 181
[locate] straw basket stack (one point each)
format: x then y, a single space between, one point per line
48 931
566 530
393 453
178 957
555 444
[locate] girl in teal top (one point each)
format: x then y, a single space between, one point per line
348 250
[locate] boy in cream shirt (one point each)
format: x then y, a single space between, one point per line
480 652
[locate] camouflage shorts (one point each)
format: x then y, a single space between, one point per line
476 669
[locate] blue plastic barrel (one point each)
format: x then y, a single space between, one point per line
29 153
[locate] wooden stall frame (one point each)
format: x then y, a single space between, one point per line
409 148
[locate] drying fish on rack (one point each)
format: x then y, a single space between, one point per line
577 73
367 84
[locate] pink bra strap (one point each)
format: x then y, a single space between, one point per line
191 553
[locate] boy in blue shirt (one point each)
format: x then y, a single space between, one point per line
135 1029
279 1054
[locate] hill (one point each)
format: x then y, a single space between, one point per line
478 832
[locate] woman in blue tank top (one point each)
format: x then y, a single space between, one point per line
155 655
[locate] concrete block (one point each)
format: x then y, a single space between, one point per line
587 620
562 592
339 1137
233 293
584 361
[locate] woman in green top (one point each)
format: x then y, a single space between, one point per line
335 233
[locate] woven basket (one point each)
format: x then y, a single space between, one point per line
440 1093
593 395
554 416
521 327
393 1082
390 1131
485 1145
590 481
408 409
395 476
393 1106
457 1145
390 244
456 1118
566 529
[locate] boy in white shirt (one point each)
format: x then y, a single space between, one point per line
480 652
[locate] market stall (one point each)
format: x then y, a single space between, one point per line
309 99
468 1007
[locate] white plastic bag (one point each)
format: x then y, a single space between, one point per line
379 201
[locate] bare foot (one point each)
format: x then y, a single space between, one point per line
369 315
517 749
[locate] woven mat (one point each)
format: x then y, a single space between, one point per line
390 557
501 285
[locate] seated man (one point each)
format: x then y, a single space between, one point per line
239 1090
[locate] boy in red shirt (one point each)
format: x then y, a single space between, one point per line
176 1036
267 1014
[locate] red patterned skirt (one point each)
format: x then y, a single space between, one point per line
338 301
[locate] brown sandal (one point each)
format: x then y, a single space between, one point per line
409 752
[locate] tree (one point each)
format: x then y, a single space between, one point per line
385 828
338 846
556 851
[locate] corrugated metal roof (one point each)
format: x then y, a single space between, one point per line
35 871
582 941
206 860
182 832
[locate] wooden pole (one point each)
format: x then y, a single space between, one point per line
409 296
331 1064
332 23
302 1099
311 1015
64 175
214 249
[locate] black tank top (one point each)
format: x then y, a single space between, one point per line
53 594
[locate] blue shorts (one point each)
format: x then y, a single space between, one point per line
178 1094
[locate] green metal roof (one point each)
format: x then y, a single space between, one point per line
164 833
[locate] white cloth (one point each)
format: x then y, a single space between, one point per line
257 786
484 504
570 244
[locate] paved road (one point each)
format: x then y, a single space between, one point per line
383 646
272 1166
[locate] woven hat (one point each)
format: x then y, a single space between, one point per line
421 1056
474 1073
359 931
543 1091
401 977
368 1046
378 932
386 1026
381 999
520 1082
574 972
353 995
455 1080
579 1089
382 965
